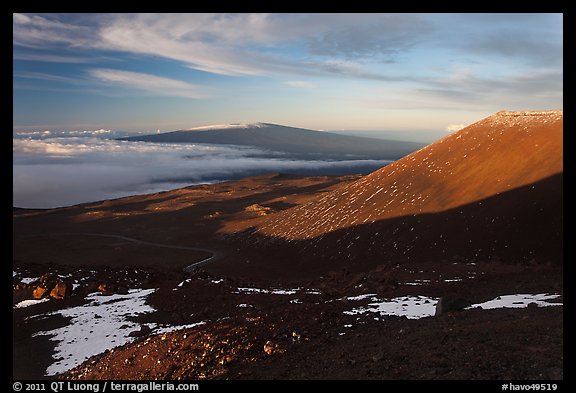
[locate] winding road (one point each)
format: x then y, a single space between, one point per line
215 254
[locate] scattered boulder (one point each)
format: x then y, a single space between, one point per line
106 289
271 348
46 282
39 292
144 331
61 290
449 304
257 209
121 290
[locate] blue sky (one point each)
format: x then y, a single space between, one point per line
401 72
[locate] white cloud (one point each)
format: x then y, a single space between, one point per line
301 84
253 44
53 172
455 127
37 31
233 44
38 147
149 83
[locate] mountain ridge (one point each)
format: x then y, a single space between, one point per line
461 154
298 142
483 192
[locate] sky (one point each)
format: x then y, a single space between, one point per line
80 80
397 72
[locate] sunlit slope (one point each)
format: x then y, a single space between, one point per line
497 154
492 191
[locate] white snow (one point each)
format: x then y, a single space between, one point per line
95 327
29 280
182 284
272 291
518 301
362 297
31 302
415 307
412 307
169 329
228 126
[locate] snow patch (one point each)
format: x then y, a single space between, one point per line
228 126
169 329
29 280
411 307
518 301
271 291
416 307
31 302
362 297
95 327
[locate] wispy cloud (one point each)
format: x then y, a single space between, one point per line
238 44
45 77
37 31
301 84
51 58
254 44
149 83
533 89
294 44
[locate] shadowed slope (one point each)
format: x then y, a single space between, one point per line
492 190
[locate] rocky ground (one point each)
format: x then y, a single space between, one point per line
86 306
207 327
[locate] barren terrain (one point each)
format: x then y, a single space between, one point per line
310 277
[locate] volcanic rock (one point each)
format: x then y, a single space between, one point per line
61 290
39 292
106 289
144 331
448 304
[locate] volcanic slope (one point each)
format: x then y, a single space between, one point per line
298 142
493 190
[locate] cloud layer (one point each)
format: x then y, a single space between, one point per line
156 85
356 46
62 171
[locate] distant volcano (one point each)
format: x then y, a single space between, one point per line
298 142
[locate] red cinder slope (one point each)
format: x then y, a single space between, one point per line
506 161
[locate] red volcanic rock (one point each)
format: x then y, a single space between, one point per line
61 290
39 292
493 189
106 289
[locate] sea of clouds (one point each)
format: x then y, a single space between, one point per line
52 169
